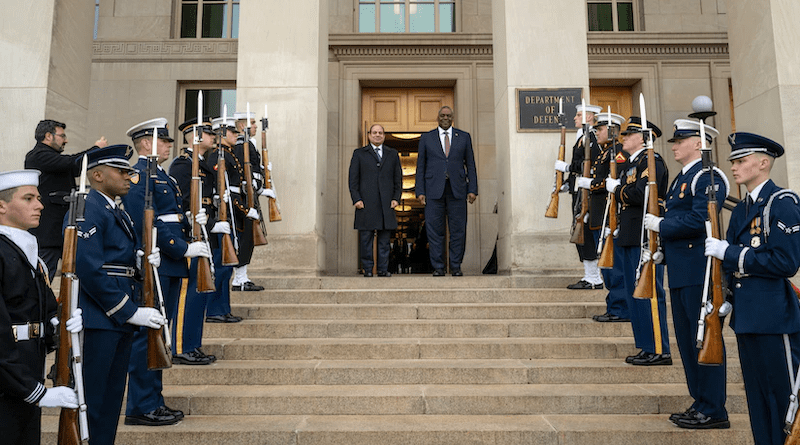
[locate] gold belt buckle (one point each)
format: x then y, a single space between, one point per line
34 330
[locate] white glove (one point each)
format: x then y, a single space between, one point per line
255 184
155 257
561 166
652 222
586 218
75 323
583 183
59 397
606 232
616 232
202 217
645 256
196 249
147 317
716 248
612 184
221 227
269 193
253 214
269 166
226 196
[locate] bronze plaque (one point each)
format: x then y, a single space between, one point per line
537 109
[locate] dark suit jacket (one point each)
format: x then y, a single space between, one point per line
56 182
377 183
433 167
630 195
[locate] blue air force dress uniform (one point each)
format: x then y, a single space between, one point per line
26 305
630 194
105 264
189 318
764 251
683 234
614 279
144 386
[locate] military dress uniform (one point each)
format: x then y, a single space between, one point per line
683 234
144 385
764 251
27 304
106 265
246 242
630 195
588 250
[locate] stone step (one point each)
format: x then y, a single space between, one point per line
438 399
419 296
425 348
550 429
556 279
470 311
434 372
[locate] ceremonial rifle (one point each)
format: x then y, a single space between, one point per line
73 428
606 246
159 355
646 284
259 230
205 272
274 208
552 208
226 244
577 225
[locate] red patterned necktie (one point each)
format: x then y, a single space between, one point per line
446 145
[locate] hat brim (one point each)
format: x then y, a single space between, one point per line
124 165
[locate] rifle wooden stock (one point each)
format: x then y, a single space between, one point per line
158 357
794 436
552 208
606 260
259 237
645 288
274 209
712 352
228 250
577 225
205 280
68 430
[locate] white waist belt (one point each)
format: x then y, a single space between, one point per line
171 218
27 331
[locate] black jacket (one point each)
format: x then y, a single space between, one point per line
377 183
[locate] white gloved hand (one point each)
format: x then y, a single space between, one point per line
561 166
652 222
221 227
269 166
196 249
716 248
612 184
616 232
227 196
253 214
147 317
606 232
269 193
59 397
255 184
645 256
155 257
75 323
586 218
202 217
583 183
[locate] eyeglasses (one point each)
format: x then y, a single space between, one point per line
62 135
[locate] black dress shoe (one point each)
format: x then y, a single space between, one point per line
211 357
608 318
631 358
583 284
193 357
438 273
699 421
689 412
230 318
248 286
458 273
384 273
158 417
650 359
367 274
175 412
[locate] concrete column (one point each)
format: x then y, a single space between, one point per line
537 44
283 54
765 66
45 68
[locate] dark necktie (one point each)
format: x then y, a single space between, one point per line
446 145
748 203
126 222
378 153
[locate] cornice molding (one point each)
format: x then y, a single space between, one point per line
177 50
658 45
452 45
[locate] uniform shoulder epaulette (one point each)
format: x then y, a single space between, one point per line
721 174
780 194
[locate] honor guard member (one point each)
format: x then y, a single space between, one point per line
683 233
27 315
145 405
57 180
240 281
629 191
587 252
760 253
106 264
188 322
218 309
616 303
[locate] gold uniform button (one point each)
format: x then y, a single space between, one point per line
172 241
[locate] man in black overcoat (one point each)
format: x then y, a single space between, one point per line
376 182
